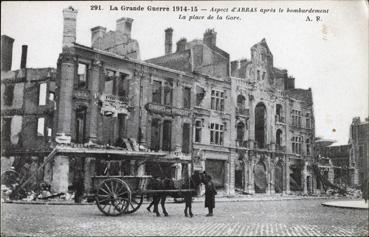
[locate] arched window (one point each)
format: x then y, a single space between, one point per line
260 125
279 139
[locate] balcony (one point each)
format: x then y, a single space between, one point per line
242 112
280 119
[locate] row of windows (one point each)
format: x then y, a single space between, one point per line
41 128
8 96
297 119
297 143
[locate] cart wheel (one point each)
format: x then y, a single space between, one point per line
113 197
134 205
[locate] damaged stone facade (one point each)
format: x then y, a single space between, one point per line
27 110
274 127
359 153
243 122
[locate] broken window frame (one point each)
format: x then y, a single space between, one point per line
9 94
82 77
109 81
156 92
40 131
187 97
6 128
42 94
168 93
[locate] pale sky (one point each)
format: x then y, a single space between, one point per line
330 56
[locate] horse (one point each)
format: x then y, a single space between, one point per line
168 184
160 184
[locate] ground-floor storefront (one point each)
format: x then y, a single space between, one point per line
271 172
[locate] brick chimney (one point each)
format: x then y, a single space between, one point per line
97 33
235 65
6 53
124 25
24 57
168 40
69 27
181 44
210 37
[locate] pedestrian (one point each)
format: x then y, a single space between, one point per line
210 193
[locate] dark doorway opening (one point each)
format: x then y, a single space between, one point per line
260 125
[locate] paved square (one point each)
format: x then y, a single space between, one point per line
277 218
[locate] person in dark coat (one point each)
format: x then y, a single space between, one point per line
210 193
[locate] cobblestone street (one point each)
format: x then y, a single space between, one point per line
278 218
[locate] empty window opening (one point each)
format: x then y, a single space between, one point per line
42 94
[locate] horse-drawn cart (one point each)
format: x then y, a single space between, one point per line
119 195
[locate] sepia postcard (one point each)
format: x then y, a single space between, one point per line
184 118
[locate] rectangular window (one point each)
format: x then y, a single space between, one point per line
168 93
82 75
167 135
6 129
9 95
51 96
155 135
81 125
42 92
109 82
156 92
217 100
186 138
121 125
308 123
198 128
41 127
186 98
258 75
49 132
200 93
216 133
122 85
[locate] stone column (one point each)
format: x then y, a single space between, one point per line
232 174
251 186
89 171
227 178
268 171
60 174
272 177
286 169
94 93
67 64
304 176
245 171
177 131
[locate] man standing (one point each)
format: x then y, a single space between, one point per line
210 193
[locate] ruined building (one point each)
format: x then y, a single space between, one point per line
274 127
243 122
27 112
